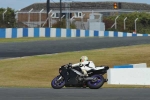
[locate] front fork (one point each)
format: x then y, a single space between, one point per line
60 77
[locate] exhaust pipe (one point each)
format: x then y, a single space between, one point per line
89 79
93 79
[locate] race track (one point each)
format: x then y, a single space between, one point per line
10 50
74 94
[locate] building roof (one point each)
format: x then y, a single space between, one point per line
82 6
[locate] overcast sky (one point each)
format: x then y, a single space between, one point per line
19 4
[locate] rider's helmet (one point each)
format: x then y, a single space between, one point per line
83 58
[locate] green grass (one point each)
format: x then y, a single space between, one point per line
38 71
3 40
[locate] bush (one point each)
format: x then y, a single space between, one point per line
62 24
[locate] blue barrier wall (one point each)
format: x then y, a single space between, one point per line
57 32
123 66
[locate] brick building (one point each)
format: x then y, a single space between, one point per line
77 9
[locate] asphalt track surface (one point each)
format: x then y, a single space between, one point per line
74 94
20 49
11 50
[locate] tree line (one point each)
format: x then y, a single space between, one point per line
7 19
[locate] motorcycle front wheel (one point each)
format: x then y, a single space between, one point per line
97 82
58 82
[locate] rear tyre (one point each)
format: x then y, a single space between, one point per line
58 82
97 82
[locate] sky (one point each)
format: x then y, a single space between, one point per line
19 4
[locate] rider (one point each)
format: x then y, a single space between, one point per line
85 65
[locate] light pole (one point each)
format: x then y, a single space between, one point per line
60 12
40 17
135 23
29 16
4 14
116 22
48 7
125 23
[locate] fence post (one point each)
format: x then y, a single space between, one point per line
135 24
4 14
116 22
125 23
40 17
29 16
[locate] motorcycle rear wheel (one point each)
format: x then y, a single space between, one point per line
97 83
57 83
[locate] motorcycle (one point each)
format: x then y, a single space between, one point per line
73 77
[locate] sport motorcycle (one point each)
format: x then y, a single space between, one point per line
74 77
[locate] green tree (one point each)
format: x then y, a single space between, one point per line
9 18
63 24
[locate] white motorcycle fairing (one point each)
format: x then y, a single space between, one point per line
99 68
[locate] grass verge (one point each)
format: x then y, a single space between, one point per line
26 39
38 71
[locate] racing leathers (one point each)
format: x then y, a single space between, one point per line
85 66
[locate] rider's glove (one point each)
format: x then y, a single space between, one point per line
81 65
70 65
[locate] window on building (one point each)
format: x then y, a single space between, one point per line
55 15
78 14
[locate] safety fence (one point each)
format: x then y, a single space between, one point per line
59 32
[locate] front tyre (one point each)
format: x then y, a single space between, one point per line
58 82
97 82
